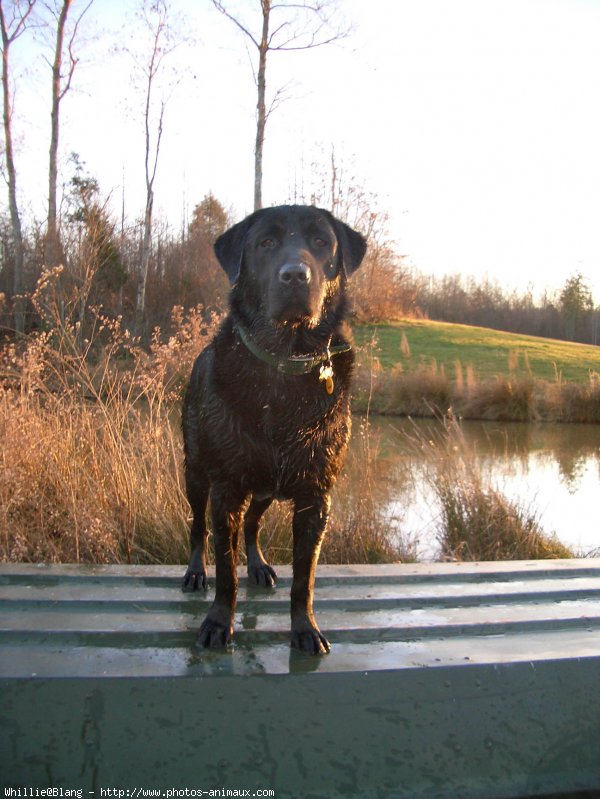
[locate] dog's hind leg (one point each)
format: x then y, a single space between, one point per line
197 488
259 571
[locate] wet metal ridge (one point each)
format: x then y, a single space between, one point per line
103 607
166 576
444 680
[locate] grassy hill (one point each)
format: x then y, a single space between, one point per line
489 352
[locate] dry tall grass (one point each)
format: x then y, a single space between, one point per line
91 457
477 521
358 531
573 402
427 390
505 399
91 460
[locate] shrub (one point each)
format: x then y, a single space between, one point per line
502 399
91 456
477 522
425 391
573 402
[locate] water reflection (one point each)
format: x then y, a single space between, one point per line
551 469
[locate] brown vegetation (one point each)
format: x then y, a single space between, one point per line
477 521
91 458
429 391
91 453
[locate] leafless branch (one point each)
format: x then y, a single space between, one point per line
73 59
288 47
320 10
252 67
13 27
277 30
281 95
307 40
306 25
161 47
150 175
220 7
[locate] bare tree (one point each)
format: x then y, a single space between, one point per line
384 287
62 78
285 26
13 22
154 15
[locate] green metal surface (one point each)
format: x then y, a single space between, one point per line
445 680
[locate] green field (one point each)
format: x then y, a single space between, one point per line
488 352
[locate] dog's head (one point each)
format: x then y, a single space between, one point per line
289 259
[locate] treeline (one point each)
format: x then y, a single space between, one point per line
140 270
99 264
568 314
100 267
100 257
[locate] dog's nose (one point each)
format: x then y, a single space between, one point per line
297 274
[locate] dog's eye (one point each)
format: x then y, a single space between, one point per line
320 242
268 243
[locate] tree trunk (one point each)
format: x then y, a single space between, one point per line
287 36
261 113
140 300
15 221
161 38
53 254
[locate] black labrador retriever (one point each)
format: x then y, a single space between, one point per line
266 414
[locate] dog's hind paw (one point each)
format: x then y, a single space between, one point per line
313 642
262 574
194 580
213 635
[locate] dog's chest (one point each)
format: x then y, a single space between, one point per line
272 433
295 443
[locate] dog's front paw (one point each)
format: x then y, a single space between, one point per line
311 640
262 574
214 635
193 580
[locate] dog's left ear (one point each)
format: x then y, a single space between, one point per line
352 244
229 247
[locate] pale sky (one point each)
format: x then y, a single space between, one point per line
476 123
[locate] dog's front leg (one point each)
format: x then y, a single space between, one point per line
310 520
227 509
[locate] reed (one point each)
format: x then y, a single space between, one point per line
359 530
477 522
573 402
360 527
426 390
502 399
91 460
480 523
91 456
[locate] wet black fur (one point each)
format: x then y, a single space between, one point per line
253 434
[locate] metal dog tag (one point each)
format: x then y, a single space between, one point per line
326 374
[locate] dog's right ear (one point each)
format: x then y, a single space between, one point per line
229 247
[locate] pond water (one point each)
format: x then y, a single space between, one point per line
551 470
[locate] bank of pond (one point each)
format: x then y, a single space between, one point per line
482 490
429 391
